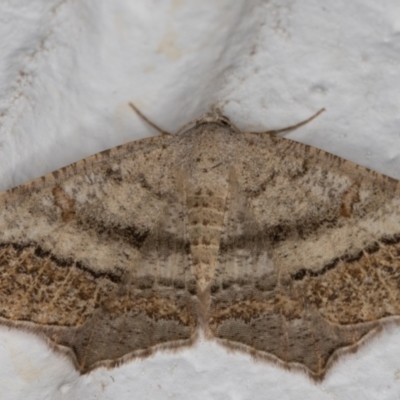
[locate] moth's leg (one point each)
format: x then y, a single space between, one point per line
144 118
292 127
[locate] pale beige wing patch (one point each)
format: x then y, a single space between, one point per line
309 261
96 258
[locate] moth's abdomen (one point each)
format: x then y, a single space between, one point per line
205 220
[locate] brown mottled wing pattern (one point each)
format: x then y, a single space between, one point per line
309 261
95 256
270 246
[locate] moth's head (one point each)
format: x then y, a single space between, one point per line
215 116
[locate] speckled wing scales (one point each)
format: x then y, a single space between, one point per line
95 256
270 246
309 261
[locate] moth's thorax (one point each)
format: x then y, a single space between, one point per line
207 147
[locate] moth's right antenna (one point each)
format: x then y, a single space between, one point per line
292 127
144 118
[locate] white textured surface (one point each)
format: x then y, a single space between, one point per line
67 72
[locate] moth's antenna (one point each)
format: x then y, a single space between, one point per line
290 128
144 118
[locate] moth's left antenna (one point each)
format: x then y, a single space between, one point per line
144 118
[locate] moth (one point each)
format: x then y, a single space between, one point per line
266 245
